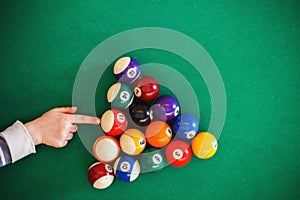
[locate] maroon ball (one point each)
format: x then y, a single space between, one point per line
100 175
146 88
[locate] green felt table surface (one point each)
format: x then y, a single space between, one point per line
255 45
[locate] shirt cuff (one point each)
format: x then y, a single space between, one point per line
19 141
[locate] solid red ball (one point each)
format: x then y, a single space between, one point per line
178 153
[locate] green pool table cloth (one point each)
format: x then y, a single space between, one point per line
254 45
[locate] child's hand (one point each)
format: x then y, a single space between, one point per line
57 126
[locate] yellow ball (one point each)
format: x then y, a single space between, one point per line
204 145
132 142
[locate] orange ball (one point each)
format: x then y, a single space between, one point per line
158 134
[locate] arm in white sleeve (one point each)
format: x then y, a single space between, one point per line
15 143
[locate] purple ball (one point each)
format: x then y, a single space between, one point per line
127 70
165 108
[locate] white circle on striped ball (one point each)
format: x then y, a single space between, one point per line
125 166
124 95
156 159
131 73
121 117
108 168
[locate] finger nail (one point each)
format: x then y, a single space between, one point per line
98 121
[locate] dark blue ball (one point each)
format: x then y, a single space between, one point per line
127 168
186 126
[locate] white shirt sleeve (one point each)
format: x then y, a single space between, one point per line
19 141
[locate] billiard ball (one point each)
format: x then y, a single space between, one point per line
127 168
113 122
146 88
127 70
132 141
204 145
120 96
106 149
158 134
139 113
100 175
178 153
165 108
185 126
151 160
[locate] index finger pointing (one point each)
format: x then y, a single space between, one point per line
84 119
